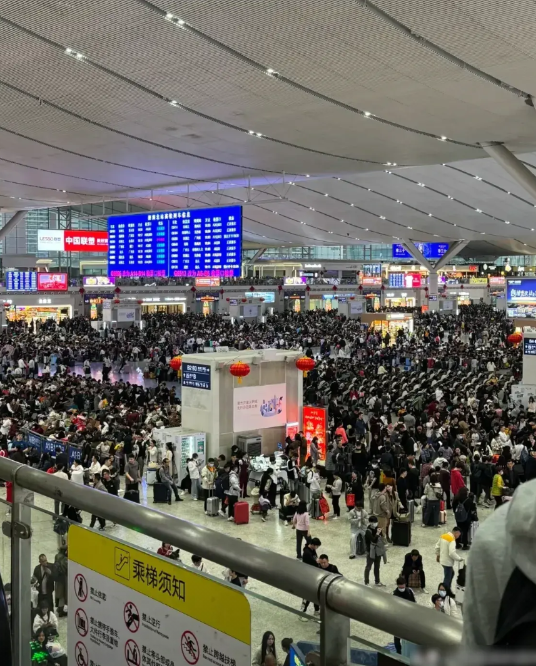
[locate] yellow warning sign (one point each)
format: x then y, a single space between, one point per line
200 598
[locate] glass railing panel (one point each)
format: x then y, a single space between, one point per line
377 650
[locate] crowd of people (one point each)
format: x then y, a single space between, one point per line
419 424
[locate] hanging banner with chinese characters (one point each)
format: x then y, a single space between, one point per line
130 607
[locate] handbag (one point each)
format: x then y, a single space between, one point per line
350 500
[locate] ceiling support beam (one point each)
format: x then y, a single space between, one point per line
12 223
509 162
417 255
257 255
453 250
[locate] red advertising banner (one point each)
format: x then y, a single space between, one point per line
85 241
314 425
292 430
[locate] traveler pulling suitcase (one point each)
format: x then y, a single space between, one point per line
401 533
160 493
241 513
213 506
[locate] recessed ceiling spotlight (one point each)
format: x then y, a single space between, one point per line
478 210
326 194
271 72
430 215
410 227
367 114
506 222
382 217
443 138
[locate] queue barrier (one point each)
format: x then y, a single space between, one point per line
48 445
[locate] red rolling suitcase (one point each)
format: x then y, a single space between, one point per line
241 513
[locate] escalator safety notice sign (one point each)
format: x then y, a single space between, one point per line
137 609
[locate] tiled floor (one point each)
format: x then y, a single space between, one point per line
273 535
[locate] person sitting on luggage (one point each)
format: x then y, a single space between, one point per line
413 566
290 504
358 518
164 476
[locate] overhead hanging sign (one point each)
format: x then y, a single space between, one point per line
257 407
133 608
428 250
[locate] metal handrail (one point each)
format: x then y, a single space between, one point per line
412 622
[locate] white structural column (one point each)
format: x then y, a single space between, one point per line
453 250
417 254
509 162
12 223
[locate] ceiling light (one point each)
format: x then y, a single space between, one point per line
478 178
478 210
410 227
352 205
387 164
74 54
443 138
366 229
430 215
482 233
366 114
307 175
175 103
421 185
368 189
326 195
532 229
382 217
342 220
508 193
271 72
249 131
454 225
506 222
338 178
64 190
169 16
394 163
449 197
398 201
311 208
258 134
436 236
525 246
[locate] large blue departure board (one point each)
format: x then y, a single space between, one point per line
203 242
21 281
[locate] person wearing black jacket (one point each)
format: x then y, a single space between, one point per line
323 563
530 466
360 459
510 476
467 500
310 557
413 564
402 592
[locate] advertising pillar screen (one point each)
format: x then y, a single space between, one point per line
204 242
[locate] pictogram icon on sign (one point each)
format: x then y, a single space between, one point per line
80 655
80 587
81 623
132 653
131 617
190 648
122 563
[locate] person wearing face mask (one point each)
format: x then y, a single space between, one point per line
404 592
448 601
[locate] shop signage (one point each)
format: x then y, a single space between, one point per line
371 281
356 307
314 425
478 280
98 281
207 282
295 280
497 281
196 375
259 407
130 607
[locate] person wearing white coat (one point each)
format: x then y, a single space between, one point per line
448 600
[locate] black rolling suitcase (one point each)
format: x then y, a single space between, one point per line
132 496
401 533
160 493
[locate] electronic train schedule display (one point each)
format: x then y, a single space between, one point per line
203 242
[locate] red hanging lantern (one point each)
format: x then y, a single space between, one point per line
360 288
383 287
515 338
307 288
352 298
305 364
221 292
116 301
117 290
140 302
252 288
81 291
240 369
227 299
280 288
193 290
261 299
176 364
426 289
334 288
244 300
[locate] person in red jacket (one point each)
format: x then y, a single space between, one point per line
456 478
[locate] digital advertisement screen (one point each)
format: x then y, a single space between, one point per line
205 242
207 282
71 240
98 281
521 298
529 346
428 250
52 282
371 281
269 296
405 280
21 281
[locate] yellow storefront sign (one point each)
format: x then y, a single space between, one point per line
202 599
